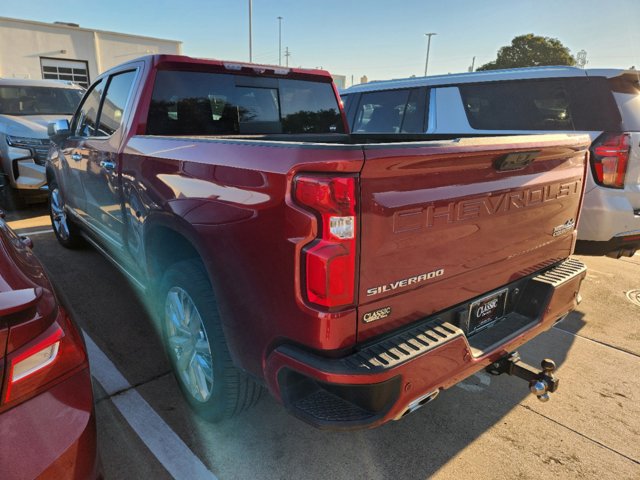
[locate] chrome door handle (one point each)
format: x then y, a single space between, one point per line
107 165
76 156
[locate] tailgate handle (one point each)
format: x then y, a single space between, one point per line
516 161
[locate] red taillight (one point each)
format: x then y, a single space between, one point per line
330 261
610 156
48 358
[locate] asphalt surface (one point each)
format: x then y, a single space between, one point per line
486 427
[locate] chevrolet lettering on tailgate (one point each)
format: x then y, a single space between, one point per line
493 204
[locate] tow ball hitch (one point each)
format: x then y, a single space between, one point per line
541 382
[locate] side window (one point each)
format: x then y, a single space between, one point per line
582 104
593 106
85 122
626 91
518 105
415 112
347 100
115 100
381 112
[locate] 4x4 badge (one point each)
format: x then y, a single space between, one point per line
567 226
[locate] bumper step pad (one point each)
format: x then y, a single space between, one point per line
564 272
403 347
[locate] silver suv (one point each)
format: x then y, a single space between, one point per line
26 108
604 103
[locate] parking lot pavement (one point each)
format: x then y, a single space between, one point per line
610 317
487 426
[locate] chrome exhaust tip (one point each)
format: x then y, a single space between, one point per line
417 403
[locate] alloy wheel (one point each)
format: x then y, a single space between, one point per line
58 214
188 344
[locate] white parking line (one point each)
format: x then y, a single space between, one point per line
29 234
163 442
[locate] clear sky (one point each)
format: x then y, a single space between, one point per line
378 38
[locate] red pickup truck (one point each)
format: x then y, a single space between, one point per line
355 276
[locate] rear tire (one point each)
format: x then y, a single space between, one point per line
65 230
195 344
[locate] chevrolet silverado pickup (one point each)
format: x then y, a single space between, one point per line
353 276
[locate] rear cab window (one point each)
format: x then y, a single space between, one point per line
203 103
578 104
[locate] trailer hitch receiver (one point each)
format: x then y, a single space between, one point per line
541 382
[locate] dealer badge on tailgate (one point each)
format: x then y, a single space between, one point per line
376 315
486 311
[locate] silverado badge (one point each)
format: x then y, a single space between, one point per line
405 282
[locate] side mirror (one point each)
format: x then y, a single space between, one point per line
59 130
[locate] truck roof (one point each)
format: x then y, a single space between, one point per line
231 66
488 76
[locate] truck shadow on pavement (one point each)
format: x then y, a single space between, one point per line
266 442
418 446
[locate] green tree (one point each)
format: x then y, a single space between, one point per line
531 51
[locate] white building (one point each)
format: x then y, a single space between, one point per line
340 81
66 51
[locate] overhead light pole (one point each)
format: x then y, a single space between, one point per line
287 54
280 41
426 63
250 33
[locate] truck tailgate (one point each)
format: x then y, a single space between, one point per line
445 222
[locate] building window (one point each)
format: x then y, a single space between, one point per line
75 71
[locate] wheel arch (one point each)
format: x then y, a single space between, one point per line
169 239
50 174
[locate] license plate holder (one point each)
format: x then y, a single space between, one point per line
486 311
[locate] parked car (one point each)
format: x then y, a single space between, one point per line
26 108
47 420
354 278
604 103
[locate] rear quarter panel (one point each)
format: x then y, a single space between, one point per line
232 199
